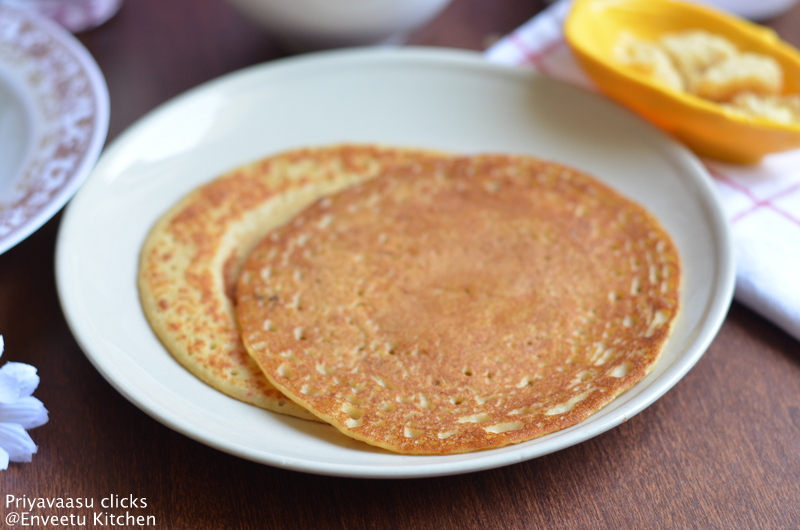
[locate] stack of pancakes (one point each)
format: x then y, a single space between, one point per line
422 302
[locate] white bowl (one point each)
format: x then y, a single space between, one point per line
305 25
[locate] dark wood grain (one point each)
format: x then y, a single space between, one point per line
720 450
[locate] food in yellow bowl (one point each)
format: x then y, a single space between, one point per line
701 63
727 88
711 67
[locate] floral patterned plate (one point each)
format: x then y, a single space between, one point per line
53 121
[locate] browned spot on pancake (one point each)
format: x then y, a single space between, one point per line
461 304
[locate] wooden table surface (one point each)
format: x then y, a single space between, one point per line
719 450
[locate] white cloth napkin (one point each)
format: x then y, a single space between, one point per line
762 202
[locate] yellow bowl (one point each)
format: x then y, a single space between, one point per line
593 29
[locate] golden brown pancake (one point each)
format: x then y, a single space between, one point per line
461 304
191 258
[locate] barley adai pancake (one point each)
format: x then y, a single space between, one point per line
192 256
461 304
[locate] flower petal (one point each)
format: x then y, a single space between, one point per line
29 412
3 459
17 443
2 347
9 389
26 377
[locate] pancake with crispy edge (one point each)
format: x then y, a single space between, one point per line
192 255
461 304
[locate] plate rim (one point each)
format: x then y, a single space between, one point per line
98 88
724 281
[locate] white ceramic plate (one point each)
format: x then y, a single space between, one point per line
53 121
414 97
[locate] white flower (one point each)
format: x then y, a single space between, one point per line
19 411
